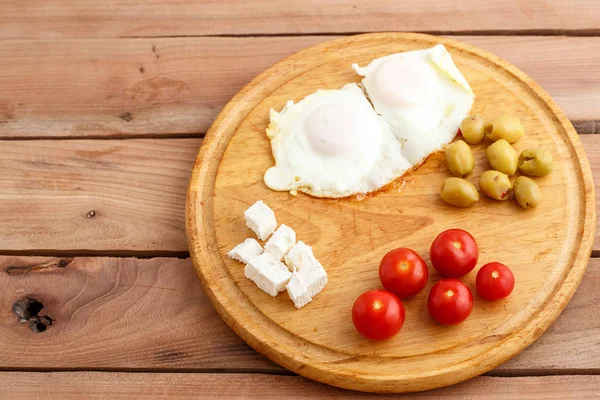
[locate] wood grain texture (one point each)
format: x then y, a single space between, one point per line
128 386
123 18
571 342
227 178
94 195
591 144
177 86
122 314
125 87
50 187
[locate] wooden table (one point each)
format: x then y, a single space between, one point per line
103 106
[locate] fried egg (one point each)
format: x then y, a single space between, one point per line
422 95
332 144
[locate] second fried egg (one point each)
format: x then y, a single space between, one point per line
333 144
423 96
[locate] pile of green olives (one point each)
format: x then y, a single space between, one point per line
504 162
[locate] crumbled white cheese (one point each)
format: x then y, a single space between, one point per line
246 251
281 242
269 274
261 219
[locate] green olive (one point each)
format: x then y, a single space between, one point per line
459 158
502 157
536 162
495 184
473 129
527 192
459 192
506 127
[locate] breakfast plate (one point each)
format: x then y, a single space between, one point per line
547 248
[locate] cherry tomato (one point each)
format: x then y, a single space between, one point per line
450 302
495 281
378 314
454 253
403 272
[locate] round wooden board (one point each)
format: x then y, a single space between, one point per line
547 248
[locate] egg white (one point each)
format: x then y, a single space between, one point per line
423 96
332 144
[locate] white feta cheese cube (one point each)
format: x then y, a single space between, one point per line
261 219
299 254
314 278
309 276
269 274
281 242
297 292
252 267
246 251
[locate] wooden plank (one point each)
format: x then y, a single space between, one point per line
136 189
591 144
96 195
176 86
124 87
125 313
116 313
125 386
122 18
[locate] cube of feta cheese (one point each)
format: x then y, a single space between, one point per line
309 276
281 242
297 292
261 219
314 277
298 255
269 274
246 251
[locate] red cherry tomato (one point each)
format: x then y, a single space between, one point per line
450 302
378 314
454 253
403 272
495 281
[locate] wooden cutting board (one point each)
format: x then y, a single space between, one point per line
547 248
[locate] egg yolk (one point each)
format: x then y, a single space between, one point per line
333 129
404 83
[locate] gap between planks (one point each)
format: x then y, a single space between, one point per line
494 32
141 254
586 127
280 371
126 136
485 33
